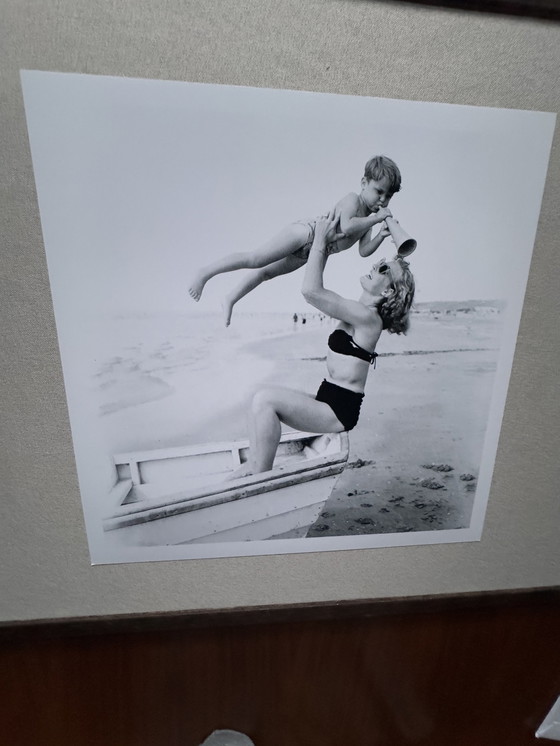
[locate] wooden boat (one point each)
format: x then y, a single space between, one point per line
191 494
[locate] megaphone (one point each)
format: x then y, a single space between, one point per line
404 243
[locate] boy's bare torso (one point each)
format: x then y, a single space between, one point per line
359 210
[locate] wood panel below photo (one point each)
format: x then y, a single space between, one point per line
437 673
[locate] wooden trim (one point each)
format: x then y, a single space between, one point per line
281 614
543 9
192 500
215 494
199 449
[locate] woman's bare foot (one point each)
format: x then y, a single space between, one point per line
227 308
197 286
242 471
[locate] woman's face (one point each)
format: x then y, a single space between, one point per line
381 278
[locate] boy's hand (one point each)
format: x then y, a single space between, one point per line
384 231
383 213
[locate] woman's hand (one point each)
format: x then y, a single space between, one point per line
384 231
326 229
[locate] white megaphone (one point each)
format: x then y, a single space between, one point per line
404 243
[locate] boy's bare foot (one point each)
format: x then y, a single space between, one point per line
196 288
227 308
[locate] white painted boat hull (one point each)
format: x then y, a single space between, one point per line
157 510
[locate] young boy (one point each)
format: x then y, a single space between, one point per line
355 214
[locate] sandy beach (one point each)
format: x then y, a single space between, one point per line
415 452
414 455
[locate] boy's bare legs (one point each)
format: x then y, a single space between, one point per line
274 405
281 267
282 245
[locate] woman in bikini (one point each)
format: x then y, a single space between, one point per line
385 302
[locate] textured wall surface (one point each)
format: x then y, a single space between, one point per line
339 46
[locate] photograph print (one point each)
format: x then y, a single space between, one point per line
286 319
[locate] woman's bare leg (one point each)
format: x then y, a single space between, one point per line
281 267
247 468
274 405
282 245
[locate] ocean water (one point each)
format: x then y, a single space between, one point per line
170 379
160 379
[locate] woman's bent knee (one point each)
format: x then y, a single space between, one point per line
262 399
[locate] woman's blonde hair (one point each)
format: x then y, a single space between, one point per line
395 309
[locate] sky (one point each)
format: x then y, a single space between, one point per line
141 182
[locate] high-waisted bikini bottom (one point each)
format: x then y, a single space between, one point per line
343 402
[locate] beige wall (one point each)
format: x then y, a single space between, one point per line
340 46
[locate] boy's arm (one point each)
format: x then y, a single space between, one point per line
353 226
313 289
369 245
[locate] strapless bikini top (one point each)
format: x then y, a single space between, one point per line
340 341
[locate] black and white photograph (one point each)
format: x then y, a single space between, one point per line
286 319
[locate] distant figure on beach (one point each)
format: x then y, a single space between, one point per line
355 215
385 303
295 318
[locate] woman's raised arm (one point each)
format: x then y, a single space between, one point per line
313 288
